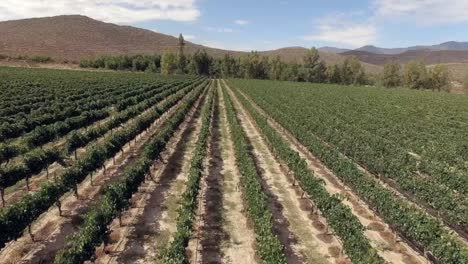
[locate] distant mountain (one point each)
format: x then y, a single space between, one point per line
377 50
75 37
451 45
427 56
332 50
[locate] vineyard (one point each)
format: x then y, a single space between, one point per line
116 167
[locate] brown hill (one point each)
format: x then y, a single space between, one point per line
76 37
427 56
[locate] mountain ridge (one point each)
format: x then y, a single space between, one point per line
449 46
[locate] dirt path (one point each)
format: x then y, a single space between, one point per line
305 241
206 245
50 229
16 192
238 243
150 223
389 245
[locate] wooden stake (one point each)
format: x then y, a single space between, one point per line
75 189
2 194
59 206
27 183
30 233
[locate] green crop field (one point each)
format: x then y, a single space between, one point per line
414 142
121 167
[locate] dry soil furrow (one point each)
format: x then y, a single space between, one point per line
211 231
389 245
205 244
305 242
238 244
50 229
151 222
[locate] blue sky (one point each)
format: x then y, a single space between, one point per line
264 25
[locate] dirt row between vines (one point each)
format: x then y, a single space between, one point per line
51 229
16 192
389 245
222 232
149 224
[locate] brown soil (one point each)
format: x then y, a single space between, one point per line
212 233
239 241
391 251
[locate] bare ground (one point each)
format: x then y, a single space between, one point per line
305 242
238 244
50 229
389 245
206 245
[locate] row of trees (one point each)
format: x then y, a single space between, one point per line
312 69
150 63
252 66
416 75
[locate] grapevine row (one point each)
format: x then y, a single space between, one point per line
395 166
340 218
422 230
39 159
46 133
269 248
175 253
16 217
115 198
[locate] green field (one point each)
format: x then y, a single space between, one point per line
137 167
414 141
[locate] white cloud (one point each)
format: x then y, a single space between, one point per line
424 11
242 22
340 29
115 11
218 30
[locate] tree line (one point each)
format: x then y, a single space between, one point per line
252 66
416 75
312 68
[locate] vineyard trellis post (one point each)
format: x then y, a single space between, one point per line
2 194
